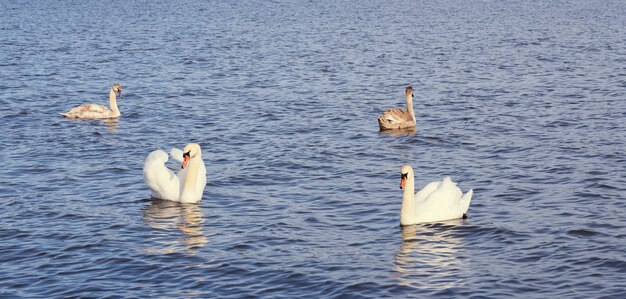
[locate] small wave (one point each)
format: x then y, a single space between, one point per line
583 233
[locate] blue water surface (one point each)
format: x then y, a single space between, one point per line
523 101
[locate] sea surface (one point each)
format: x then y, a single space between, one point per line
523 101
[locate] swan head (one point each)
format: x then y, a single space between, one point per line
407 173
409 91
117 88
191 150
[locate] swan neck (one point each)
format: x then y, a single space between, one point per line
113 102
409 106
189 184
408 210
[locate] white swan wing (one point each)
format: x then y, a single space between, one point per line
442 203
163 183
177 154
426 191
447 193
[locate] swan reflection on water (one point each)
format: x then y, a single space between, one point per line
398 132
112 124
168 215
429 256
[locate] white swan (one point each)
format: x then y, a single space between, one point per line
187 185
399 118
96 111
437 201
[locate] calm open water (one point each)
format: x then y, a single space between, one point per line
524 101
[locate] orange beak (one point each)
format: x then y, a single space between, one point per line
185 161
403 182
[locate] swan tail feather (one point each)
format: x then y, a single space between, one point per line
465 201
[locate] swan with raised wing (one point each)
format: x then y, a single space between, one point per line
185 186
97 111
437 201
399 118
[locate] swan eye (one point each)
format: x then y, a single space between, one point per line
404 175
186 154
